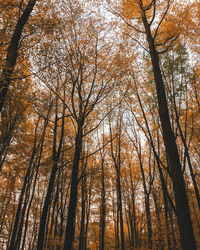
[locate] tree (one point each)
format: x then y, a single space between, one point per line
58 137
147 13
12 51
89 80
94 107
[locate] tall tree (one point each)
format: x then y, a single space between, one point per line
147 13
116 155
90 81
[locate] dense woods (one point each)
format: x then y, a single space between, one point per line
99 124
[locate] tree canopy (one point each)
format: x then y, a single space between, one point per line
99 124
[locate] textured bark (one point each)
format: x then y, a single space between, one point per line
12 52
71 217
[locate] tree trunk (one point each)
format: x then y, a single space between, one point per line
132 237
12 52
119 192
89 199
148 218
29 205
169 244
135 239
71 217
183 213
147 205
103 209
45 209
20 203
160 244
82 228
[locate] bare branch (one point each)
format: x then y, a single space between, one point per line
171 42
154 12
87 156
150 5
131 26
137 42
161 20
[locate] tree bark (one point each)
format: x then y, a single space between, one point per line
71 217
82 227
12 52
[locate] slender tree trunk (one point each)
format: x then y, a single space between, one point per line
29 206
103 209
55 157
117 231
82 228
147 205
132 236
160 244
149 226
53 214
115 218
190 165
19 207
21 224
71 217
89 199
187 155
19 219
120 210
128 227
12 52
7 202
116 157
45 209
183 213
135 238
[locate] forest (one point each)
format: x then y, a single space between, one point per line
99 124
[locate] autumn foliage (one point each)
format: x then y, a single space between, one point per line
99 124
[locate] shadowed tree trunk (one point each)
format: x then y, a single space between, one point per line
71 217
12 52
19 219
116 157
83 206
159 244
56 152
103 209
